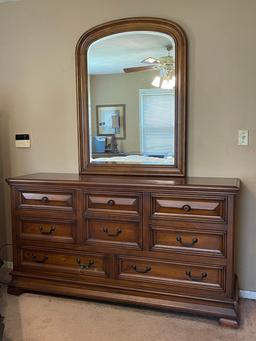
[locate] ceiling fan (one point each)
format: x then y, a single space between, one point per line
165 63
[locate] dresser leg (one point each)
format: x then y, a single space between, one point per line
229 323
14 291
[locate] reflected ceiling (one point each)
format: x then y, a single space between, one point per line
112 54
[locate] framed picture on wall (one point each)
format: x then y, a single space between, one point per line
111 120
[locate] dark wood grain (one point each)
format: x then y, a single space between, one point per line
170 273
229 185
46 230
131 25
211 208
112 202
46 261
194 241
45 199
122 233
151 262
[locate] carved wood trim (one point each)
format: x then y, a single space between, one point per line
125 25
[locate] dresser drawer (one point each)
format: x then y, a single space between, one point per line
116 233
212 243
171 273
116 202
45 200
168 206
46 230
60 262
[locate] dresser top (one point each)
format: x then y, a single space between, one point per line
220 184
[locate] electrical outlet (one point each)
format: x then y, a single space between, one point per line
243 137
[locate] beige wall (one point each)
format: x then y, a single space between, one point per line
37 91
2 206
109 89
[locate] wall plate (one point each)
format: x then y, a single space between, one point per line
22 140
243 137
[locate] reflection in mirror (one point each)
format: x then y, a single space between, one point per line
132 98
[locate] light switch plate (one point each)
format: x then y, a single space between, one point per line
243 137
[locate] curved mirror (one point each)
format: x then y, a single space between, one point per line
131 99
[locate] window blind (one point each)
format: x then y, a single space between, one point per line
157 112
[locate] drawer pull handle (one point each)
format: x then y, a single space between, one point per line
84 266
186 208
196 278
148 268
45 200
118 231
179 239
37 260
50 231
111 202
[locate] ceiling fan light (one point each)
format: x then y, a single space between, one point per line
156 82
151 60
173 81
168 83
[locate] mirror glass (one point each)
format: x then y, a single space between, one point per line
131 98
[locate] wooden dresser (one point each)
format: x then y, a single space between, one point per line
158 242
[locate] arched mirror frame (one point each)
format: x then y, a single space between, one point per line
127 25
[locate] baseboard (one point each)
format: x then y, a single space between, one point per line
247 294
242 293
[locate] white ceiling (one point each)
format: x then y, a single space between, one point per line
113 53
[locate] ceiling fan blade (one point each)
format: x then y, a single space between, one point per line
151 60
139 68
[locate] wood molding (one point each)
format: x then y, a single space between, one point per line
119 26
102 248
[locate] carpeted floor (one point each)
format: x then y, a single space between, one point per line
32 317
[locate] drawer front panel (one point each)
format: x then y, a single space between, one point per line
113 202
57 262
45 200
188 207
167 273
126 234
44 230
195 241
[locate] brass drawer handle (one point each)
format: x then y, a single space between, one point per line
85 266
45 200
37 260
148 268
179 239
186 208
111 202
196 278
50 231
118 231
